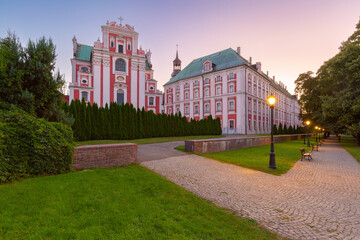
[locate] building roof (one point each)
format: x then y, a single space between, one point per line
227 58
84 52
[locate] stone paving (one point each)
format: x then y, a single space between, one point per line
317 199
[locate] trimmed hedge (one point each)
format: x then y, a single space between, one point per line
126 122
31 146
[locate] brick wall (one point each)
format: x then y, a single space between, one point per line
107 155
219 144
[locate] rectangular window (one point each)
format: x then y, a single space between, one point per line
169 98
151 101
207 108
231 76
196 83
231 106
121 48
218 107
169 110
207 81
186 95
186 110
196 94
84 95
177 97
218 79
196 109
206 92
232 124
186 85
231 88
218 90
249 124
254 125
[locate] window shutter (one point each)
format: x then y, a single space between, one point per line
235 75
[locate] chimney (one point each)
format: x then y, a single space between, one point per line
267 73
274 78
250 60
238 51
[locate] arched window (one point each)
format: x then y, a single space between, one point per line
120 65
120 97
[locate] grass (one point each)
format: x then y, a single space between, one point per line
348 142
257 158
129 202
147 140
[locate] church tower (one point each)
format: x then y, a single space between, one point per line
176 64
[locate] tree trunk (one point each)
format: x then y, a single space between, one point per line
357 138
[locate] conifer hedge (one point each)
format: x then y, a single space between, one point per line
285 130
126 122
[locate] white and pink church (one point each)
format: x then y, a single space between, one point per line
114 70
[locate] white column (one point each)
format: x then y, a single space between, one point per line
142 87
97 79
106 80
134 85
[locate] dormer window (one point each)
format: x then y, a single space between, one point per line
207 66
84 69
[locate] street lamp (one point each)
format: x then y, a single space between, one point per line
308 142
316 133
271 100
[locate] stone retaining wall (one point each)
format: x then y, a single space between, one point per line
228 144
107 155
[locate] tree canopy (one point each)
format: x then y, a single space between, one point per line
28 79
331 98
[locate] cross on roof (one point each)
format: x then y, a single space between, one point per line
120 18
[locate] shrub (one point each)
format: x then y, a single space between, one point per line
31 146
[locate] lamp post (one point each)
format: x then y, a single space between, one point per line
271 100
308 142
316 133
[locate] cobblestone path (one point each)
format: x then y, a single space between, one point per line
314 200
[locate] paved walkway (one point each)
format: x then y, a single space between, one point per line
314 200
155 151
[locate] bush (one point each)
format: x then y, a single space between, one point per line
31 146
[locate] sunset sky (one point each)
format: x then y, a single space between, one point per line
287 37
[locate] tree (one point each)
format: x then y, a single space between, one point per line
332 97
27 77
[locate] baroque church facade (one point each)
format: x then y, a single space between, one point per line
114 70
226 85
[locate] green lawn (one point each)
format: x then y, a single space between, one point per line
348 142
257 158
129 202
147 140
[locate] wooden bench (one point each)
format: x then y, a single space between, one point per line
315 147
305 155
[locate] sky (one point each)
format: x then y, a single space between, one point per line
288 37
